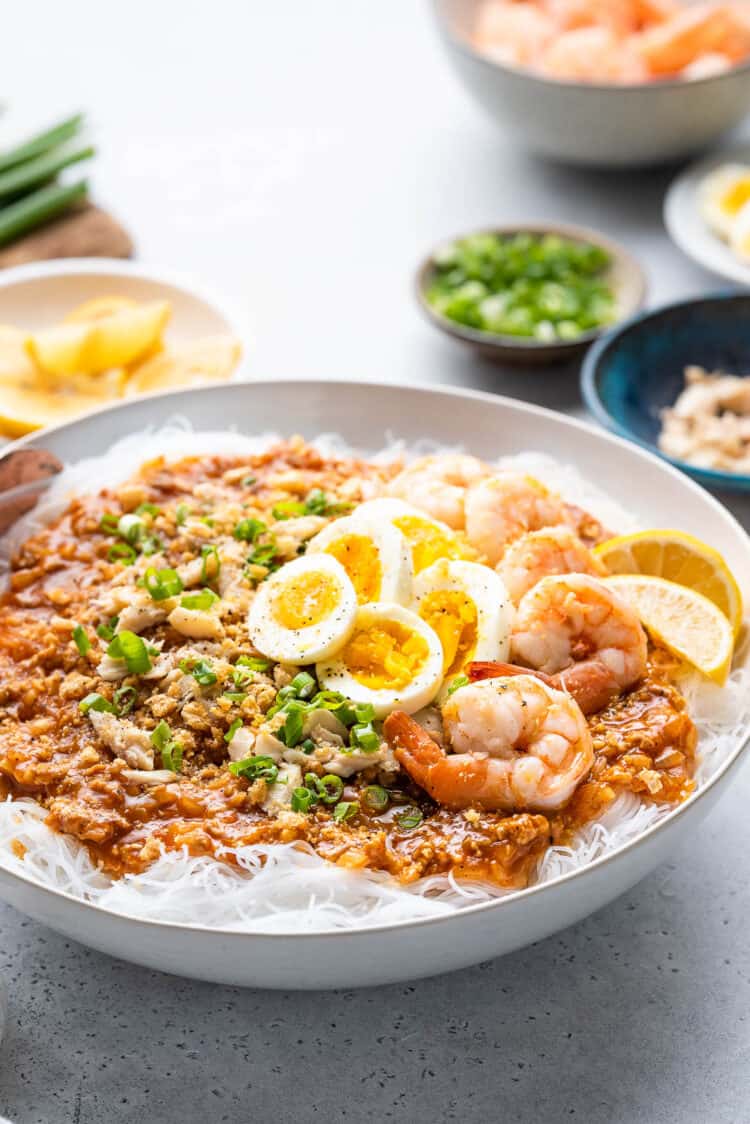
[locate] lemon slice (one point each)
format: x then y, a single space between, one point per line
191 364
680 558
685 622
114 339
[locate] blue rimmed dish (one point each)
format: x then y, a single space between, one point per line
630 375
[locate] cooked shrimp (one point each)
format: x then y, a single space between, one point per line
591 684
552 550
519 745
619 15
593 54
501 508
574 621
698 30
437 485
513 33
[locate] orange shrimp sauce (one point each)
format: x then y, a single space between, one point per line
644 742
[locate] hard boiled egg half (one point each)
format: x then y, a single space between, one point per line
374 554
392 660
304 612
428 538
468 606
723 194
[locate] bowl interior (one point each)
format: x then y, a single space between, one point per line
634 374
42 295
624 276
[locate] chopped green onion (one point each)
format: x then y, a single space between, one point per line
108 523
365 738
235 696
95 701
303 685
345 810
303 800
201 671
151 544
255 768
330 788
375 797
459 681
132 649
160 735
162 584
211 565
232 730
130 528
409 818
107 631
264 555
248 481
307 746
248 530
82 641
181 513
287 509
122 552
254 663
201 601
171 757
148 509
124 699
291 732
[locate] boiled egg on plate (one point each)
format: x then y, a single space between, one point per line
304 612
428 538
468 606
739 238
723 194
392 660
374 554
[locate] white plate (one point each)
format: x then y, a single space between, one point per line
689 230
368 414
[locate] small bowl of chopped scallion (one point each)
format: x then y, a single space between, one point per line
529 295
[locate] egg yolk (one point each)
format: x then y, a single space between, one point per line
428 542
735 197
453 616
359 557
306 599
385 656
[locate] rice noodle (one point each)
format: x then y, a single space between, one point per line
285 888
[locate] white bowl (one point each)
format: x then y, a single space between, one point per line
601 125
367 415
42 293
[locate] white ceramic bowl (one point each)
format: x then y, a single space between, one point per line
366 414
613 126
41 294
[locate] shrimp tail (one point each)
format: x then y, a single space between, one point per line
454 786
590 683
492 669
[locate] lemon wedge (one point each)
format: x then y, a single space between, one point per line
680 558
208 359
111 339
684 621
97 308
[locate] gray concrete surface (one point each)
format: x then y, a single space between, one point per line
301 158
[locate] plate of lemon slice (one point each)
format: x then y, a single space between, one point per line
80 334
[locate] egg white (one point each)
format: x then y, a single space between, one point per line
713 191
334 675
739 238
486 590
308 643
389 545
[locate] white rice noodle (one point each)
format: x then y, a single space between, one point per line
287 888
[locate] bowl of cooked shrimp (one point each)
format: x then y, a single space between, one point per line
604 82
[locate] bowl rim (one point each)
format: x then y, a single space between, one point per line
212 298
712 477
467 48
504 343
375 386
